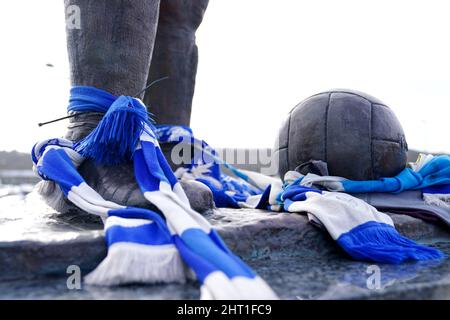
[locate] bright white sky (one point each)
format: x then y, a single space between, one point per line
258 59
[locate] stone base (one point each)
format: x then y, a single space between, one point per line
297 259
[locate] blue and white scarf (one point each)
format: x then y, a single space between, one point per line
145 247
202 163
142 245
430 174
360 229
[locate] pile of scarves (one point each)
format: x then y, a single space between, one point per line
178 243
329 202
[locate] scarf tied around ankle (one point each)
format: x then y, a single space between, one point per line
143 246
147 247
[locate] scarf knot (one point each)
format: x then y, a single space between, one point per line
116 137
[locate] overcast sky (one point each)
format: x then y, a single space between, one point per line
258 59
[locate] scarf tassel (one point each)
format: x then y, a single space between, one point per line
115 138
135 263
379 242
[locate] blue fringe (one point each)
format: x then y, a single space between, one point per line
115 138
380 242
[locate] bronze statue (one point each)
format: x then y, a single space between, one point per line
120 47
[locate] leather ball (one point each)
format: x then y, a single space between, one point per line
357 135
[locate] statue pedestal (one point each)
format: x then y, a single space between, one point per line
297 259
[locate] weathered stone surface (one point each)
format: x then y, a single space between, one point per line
56 288
298 260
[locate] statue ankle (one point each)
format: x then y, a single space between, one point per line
82 124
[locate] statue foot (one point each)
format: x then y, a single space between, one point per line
115 183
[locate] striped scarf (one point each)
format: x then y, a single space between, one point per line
429 174
143 246
359 228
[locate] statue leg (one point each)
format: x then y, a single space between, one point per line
112 51
175 55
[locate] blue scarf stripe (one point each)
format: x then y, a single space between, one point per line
287 203
57 166
158 227
440 189
297 193
435 172
143 173
148 234
89 99
438 163
202 266
152 162
165 167
201 244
